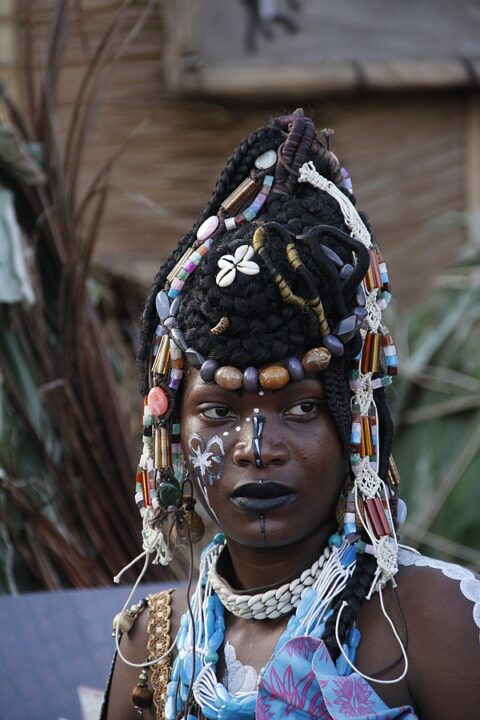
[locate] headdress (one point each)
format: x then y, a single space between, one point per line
332 283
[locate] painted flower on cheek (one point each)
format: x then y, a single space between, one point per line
206 459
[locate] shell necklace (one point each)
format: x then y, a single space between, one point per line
264 605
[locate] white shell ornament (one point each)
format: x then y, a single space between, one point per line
241 261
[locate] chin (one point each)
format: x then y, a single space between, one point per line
278 531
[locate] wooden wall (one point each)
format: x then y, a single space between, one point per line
405 153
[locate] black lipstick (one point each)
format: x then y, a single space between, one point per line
261 497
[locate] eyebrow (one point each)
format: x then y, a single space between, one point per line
307 385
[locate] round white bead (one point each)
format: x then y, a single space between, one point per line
266 160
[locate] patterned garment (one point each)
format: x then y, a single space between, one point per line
301 681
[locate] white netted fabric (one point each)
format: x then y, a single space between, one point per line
309 173
386 553
367 481
374 313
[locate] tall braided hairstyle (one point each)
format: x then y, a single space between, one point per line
322 284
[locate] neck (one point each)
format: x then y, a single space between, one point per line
260 567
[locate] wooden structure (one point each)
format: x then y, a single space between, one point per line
413 156
298 48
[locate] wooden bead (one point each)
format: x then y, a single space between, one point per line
222 325
316 359
142 696
229 378
273 377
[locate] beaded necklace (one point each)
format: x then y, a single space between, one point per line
201 635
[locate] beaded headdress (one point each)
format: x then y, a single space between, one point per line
161 493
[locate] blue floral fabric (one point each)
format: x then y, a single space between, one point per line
301 681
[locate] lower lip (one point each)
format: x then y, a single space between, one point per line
259 505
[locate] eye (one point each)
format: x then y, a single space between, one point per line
303 409
217 412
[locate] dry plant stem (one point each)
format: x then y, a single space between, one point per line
89 473
27 60
88 93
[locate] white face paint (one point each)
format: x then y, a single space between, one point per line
256 410
226 433
247 420
206 461
238 428
261 392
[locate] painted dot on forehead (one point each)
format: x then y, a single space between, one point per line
247 419
256 410
226 433
237 428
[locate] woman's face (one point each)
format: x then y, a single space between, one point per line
268 464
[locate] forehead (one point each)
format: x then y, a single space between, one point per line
195 391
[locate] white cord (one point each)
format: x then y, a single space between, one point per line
127 602
116 579
397 637
411 549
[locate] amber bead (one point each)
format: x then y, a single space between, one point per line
229 378
273 377
316 359
142 696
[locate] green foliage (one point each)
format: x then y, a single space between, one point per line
437 408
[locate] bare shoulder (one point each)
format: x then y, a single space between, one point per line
134 648
435 610
441 606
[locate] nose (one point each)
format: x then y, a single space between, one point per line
260 449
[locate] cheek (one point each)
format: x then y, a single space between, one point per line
324 458
205 456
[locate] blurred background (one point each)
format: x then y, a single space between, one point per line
116 119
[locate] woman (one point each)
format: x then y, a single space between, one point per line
265 361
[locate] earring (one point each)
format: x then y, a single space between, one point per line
188 525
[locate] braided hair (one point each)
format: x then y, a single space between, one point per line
263 328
